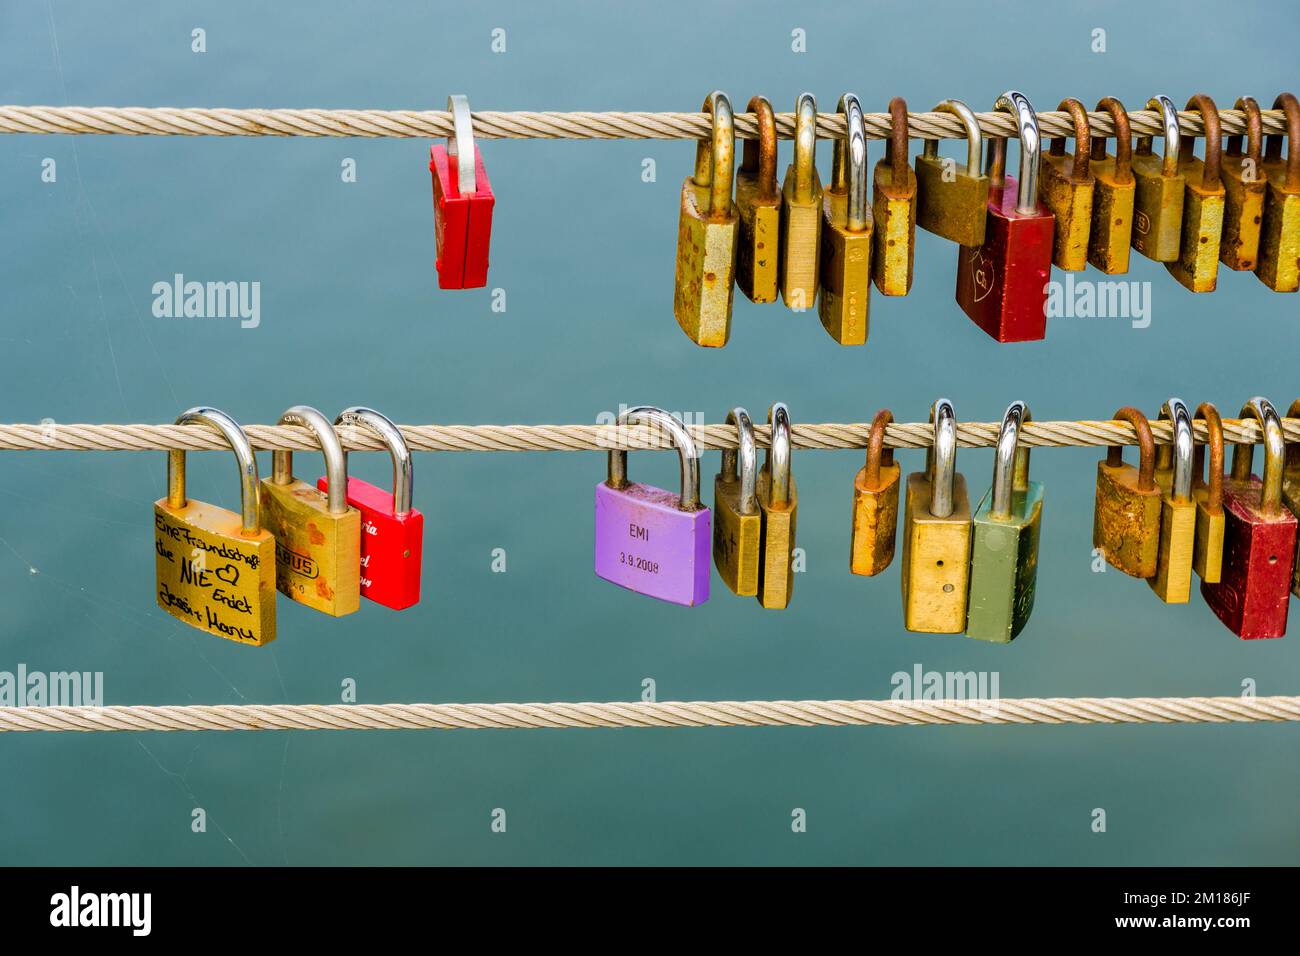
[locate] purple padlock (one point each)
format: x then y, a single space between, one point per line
650 540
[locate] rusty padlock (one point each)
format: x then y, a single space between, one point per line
1245 185
1066 187
1113 195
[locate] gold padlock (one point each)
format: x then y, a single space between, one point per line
737 522
1158 201
952 202
1172 581
778 501
1126 515
875 504
1114 191
1066 188
1279 239
801 211
1245 185
893 206
1207 557
215 569
758 204
845 298
936 535
317 535
706 234
1197 265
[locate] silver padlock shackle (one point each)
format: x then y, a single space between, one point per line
974 137
805 145
688 499
336 460
777 462
849 166
1270 496
461 144
941 458
1182 452
403 466
1173 137
249 508
1031 148
742 464
1010 460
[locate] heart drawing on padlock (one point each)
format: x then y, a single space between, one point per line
229 574
982 273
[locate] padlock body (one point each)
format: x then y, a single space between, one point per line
392 546
1197 265
1002 285
957 210
462 223
758 264
1279 238
645 543
1253 592
893 209
317 554
737 539
1157 209
1070 199
1112 218
845 298
1172 581
1291 498
1004 566
936 559
776 559
211 575
801 221
1207 554
706 265
1126 520
1243 213
875 520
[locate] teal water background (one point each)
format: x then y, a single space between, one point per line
584 248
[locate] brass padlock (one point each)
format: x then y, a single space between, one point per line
1004 540
875 504
706 234
1279 238
1113 194
1172 581
801 211
1197 265
778 503
936 535
737 523
893 205
215 569
1066 188
1291 489
952 202
1207 555
1245 185
1126 518
845 296
1158 199
317 534
758 204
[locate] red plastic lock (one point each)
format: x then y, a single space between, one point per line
462 221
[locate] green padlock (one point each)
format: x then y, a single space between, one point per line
1004 542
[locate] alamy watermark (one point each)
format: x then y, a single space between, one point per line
24 688
179 299
1107 299
921 684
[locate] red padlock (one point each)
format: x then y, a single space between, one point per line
1259 538
1002 285
392 532
462 204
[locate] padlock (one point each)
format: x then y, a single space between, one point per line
1259 538
778 503
650 540
1245 185
950 201
1279 238
1004 540
875 504
215 569
1113 194
1066 187
1172 581
1291 489
893 206
758 204
1207 555
462 204
317 535
801 211
392 532
706 234
845 297
936 535
1002 285
1197 265
1126 517
1158 200
737 524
